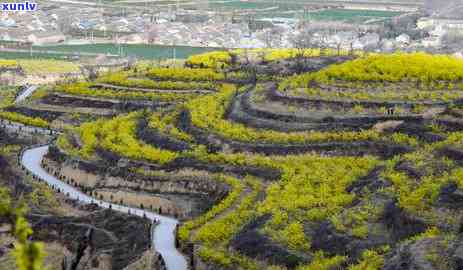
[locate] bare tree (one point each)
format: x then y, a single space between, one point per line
131 61
268 39
322 40
354 34
273 37
303 41
246 56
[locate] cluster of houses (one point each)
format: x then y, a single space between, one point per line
54 23
34 27
49 26
440 29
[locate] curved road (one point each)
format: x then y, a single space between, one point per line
163 236
24 95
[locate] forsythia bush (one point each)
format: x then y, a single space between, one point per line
84 89
26 120
382 95
215 59
29 255
7 96
4 63
219 59
165 124
371 260
411 67
321 262
418 197
237 188
280 54
307 191
211 254
122 79
220 231
118 135
185 74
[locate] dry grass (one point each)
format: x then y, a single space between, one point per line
144 263
387 125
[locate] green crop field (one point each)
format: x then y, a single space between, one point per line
141 51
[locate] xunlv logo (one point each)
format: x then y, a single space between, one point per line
23 6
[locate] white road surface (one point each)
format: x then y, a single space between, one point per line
163 236
24 95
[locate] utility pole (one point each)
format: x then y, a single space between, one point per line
174 53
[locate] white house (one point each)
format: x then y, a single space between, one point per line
46 37
458 54
8 22
370 40
403 40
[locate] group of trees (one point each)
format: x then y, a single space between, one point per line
320 35
304 50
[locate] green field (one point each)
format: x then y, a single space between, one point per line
148 52
294 10
345 15
22 55
141 51
284 9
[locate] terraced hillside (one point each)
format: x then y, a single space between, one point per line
42 229
276 159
